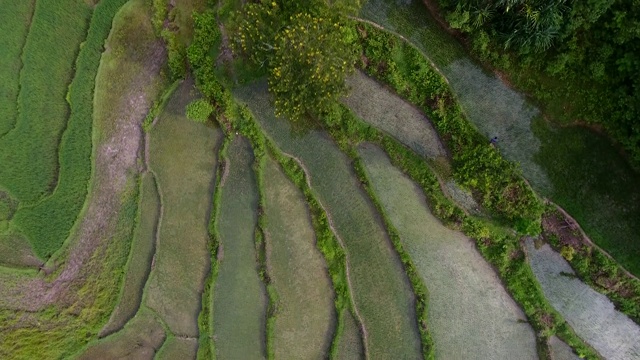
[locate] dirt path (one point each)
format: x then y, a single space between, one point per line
333 229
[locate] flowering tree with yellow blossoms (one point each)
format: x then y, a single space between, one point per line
307 50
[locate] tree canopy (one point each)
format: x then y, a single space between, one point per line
307 49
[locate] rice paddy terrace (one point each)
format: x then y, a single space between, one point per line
130 231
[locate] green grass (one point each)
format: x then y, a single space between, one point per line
239 298
183 159
596 186
140 257
48 223
591 314
304 313
569 165
139 339
380 288
49 56
464 292
16 20
383 109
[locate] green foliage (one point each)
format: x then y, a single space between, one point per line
160 10
306 49
199 110
580 59
48 223
477 165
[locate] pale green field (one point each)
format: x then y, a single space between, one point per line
465 294
380 287
239 298
183 158
140 257
305 315
383 109
350 345
591 315
139 339
560 350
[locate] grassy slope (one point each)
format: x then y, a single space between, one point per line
183 158
49 55
380 288
591 314
548 157
15 19
304 311
239 298
143 249
139 339
464 292
59 331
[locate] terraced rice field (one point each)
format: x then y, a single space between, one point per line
239 297
590 313
143 249
380 288
304 315
559 163
465 295
87 273
386 111
16 20
183 161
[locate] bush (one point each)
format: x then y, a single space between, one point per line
199 110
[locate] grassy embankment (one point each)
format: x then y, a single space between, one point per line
239 297
464 292
570 165
59 330
304 316
143 250
16 19
182 155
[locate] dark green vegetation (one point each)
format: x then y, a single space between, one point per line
475 164
495 109
579 60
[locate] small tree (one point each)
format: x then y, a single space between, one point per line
307 49
199 110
